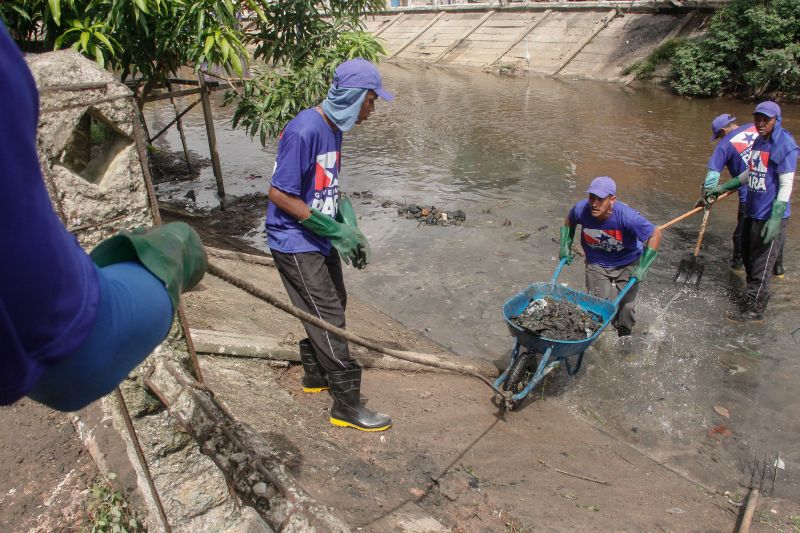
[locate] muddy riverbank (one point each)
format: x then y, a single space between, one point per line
513 155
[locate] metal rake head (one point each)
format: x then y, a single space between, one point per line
761 470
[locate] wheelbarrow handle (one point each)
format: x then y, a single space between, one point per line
628 286
558 270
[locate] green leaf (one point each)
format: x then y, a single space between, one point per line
208 45
55 10
142 5
85 40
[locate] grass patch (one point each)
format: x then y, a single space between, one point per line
644 68
108 510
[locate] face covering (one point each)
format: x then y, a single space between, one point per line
343 105
782 142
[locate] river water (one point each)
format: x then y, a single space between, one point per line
515 154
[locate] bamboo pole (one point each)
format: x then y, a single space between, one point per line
212 136
178 116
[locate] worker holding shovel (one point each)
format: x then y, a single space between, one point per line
769 180
733 152
618 242
311 230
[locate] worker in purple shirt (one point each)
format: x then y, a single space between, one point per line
733 152
769 179
311 230
618 243
73 326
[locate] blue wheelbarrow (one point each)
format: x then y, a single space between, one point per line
551 353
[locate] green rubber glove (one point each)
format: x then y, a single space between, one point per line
342 236
711 194
347 215
771 229
648 257
172 252
565 243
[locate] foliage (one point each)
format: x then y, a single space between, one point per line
153 38
108 510
275 96
644 68
751 49
294 31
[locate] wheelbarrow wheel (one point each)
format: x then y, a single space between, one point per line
517 373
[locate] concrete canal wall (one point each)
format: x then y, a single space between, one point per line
592 40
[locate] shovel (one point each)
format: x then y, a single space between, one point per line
691 270
691 266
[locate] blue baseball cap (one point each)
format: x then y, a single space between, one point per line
359 73
602 187
720 122
770 109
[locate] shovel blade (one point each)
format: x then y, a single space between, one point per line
696 274
684 269
689 272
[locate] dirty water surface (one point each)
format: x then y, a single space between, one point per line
514 154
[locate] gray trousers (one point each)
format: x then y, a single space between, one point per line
315 284
606 283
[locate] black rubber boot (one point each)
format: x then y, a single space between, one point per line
736 262
347 410
315 378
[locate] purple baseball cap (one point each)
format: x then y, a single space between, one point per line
602 187
359 73
770 109
720 122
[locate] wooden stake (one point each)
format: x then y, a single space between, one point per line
180 130
212 136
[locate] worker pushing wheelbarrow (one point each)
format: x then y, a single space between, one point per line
620 245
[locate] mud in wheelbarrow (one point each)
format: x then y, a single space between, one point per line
532 351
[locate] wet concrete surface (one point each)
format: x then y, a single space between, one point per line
514 155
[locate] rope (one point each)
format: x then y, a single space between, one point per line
413 357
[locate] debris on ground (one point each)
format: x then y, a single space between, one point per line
171 166
558 320
431 215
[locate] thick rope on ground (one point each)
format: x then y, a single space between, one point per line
414 357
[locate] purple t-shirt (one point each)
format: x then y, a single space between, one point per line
763 184
307 166
614 242
48 285
733 152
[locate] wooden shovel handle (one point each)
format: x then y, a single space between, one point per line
692 212
702 232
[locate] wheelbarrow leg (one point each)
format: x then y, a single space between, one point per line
514 354
573 369
544 368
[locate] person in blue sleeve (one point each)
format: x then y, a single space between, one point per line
733 152
311 230
73 326
618 243
769 179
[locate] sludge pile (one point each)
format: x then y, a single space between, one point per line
558 320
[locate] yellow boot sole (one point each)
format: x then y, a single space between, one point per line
315 389
345 424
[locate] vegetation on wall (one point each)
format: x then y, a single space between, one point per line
751 49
